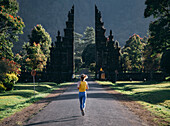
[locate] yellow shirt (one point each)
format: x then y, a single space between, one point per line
82 86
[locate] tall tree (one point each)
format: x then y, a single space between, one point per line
151 62
160 28
165 62
88 55
40 36
79 44
132 53
89 35
34 58
10 26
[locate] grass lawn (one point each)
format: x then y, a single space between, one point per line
23 95
155 96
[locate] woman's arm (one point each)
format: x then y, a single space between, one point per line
78 85
87 86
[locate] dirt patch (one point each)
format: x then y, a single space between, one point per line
21 117
144 114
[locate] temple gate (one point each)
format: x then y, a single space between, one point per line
107 51
60 66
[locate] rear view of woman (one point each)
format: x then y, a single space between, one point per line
82 86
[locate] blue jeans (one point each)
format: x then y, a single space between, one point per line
82 99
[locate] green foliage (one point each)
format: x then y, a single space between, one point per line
132 54
79 44
40 36
2 87
151 62
10 26
8 73
34 57
7 66
88 55
89 35
9 86
160 28
36 51
78 63
165 62
9 81
11 78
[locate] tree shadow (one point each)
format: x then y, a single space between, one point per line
66 119
20 93
153 97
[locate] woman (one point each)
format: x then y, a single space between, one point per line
82 86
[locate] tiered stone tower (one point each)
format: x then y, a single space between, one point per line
100 41
60 66
107 51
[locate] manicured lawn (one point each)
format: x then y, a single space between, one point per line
23 95
155 96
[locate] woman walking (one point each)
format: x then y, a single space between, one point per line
82 86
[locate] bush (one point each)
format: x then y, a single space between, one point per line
9 86
2 87
9 81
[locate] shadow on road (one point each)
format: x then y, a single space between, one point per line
57 120
95 91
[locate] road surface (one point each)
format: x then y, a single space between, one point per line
102 109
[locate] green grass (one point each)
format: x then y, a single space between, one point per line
155 96
23 96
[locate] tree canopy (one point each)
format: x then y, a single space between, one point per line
89 35
40 36
10 26
132 53
88 55
160 28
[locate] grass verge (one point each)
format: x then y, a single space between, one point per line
23 96
155 96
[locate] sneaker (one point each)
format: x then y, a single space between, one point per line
82 112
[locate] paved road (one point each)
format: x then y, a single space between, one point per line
101 110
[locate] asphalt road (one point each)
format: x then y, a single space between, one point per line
102 109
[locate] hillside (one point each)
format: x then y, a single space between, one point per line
124 17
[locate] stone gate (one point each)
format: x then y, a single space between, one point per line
60 65
107 51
